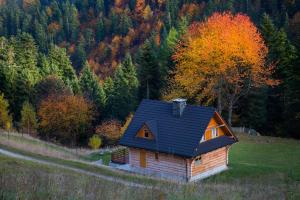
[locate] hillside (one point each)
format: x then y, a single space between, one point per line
106 56
260 168
103 31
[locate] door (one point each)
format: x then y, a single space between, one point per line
143 158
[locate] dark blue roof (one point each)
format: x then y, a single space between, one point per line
175 135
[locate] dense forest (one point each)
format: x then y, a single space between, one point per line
105 56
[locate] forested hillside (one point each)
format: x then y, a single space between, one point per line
114 53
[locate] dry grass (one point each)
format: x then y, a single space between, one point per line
260 168
26 180
34 145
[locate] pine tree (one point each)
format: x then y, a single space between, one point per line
125 90
283 54
149 73
91 88
60 65
100 30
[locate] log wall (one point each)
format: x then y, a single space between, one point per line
166 163
209 161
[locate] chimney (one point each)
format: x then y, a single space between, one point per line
178 107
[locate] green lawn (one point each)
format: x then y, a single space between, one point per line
106 157
258 157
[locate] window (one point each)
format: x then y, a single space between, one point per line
197 161
214 132
147 134
156 156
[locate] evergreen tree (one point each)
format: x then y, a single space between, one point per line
108 87
166 51
99 6
79 57
60 65
100 30
283 55
124 95
149 73
91 88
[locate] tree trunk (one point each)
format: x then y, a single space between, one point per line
220 97
230 107
219 100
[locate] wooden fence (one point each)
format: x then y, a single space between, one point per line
120 156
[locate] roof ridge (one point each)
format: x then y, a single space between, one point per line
170 102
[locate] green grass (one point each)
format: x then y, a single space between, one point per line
254 158
106 157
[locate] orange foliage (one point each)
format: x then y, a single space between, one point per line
65 116
119 3
71 48
110 129
226 52
139 6
54 27
30 3
115 45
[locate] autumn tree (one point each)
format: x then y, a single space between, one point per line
5 117
28 118
221 58
66 118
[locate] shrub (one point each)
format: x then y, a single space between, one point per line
95 142
110 130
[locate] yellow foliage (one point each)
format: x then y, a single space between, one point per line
147 13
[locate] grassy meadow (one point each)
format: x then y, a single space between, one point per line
260 168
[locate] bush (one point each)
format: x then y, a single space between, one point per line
110 130
95 142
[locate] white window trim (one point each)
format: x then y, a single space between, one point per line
214 132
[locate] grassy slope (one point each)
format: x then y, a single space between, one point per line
26 180
256 157
260 168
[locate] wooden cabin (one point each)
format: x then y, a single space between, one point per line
177 141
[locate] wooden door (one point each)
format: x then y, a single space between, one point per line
143 158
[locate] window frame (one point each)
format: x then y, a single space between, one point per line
146 133
214 132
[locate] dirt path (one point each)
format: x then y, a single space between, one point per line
81 171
